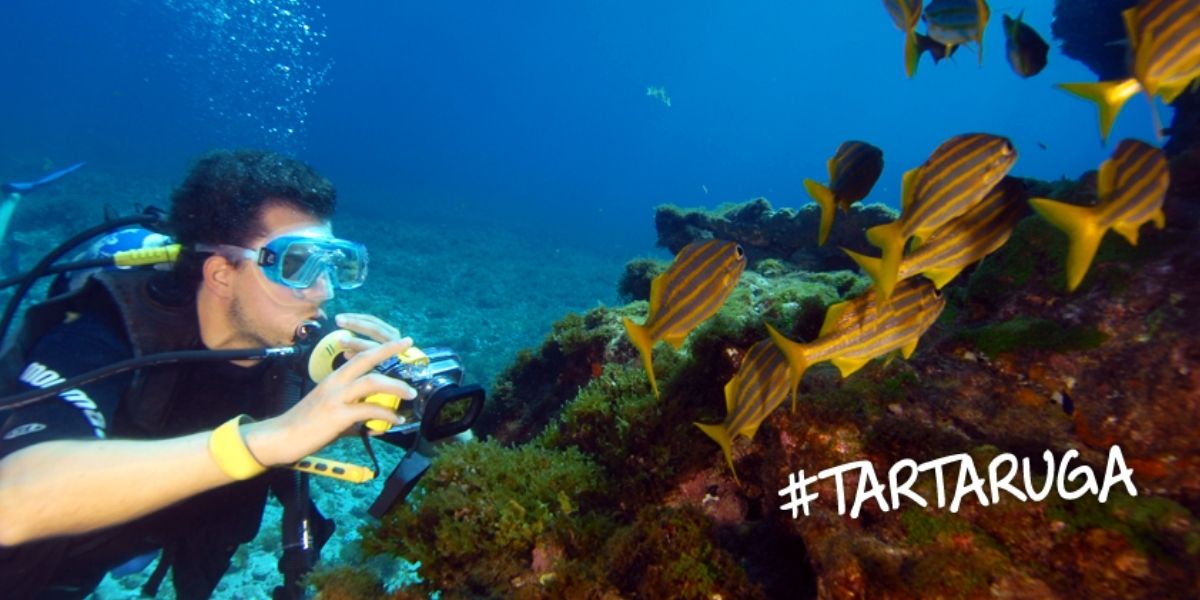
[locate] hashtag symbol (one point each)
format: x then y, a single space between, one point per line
797 490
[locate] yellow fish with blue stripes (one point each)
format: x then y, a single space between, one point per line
1131 185
754 392
960 243
867 327
690 291
958 174
1164 53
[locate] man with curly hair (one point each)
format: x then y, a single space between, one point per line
179 459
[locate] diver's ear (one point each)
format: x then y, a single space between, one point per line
219 274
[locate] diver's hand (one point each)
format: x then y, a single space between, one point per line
329 409
369 326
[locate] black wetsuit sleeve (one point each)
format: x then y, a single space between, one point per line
91 341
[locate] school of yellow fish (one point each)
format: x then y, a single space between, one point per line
956 208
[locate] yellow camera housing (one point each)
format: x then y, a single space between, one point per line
324 360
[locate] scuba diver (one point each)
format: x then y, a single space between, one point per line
10 196
180 458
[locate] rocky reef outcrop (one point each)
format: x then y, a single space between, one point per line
786 234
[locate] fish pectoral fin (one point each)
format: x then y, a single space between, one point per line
849 365
908 349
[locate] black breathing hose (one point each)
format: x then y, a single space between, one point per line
43 266
162 358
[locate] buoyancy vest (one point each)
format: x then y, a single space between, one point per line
159 316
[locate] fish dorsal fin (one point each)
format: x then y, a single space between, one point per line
1106 180
657 287
832 316
849 365
1129 15
906 188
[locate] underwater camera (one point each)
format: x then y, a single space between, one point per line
443 407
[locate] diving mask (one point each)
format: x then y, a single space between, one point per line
297 261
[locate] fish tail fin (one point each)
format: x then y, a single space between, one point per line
888 239
640 337
1079 223
912 53
873 267
1109 96
797 361
721 436
823 196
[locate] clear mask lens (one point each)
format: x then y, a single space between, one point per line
304 260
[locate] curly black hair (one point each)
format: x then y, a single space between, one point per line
222 198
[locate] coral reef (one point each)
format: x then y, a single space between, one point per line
1015 365
767 233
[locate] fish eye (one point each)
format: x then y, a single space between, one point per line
740 252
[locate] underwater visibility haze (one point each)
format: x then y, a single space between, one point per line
537 114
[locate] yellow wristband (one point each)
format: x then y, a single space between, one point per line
229 450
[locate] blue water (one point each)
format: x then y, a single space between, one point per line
533 114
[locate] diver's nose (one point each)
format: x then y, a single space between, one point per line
322 290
